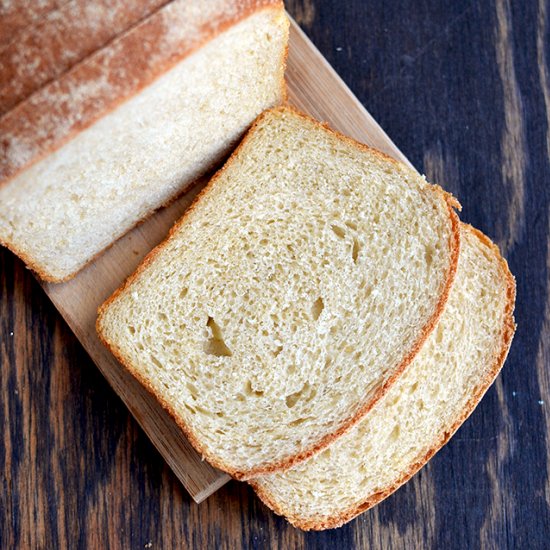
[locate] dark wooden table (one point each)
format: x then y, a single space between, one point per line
463 88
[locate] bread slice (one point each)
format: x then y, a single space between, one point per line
289 297
420 412
131 127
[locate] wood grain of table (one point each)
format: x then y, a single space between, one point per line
463 88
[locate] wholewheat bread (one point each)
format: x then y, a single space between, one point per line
130 127
420 412
289 297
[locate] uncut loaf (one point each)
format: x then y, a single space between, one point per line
100 147
289 297
420 412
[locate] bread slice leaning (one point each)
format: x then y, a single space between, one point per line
86 157
290 296
420 412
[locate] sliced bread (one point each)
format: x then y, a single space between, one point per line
289 297
120 134
420 412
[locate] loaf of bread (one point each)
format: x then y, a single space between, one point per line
420 412
100 147
290 296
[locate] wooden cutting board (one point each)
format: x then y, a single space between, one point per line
313 87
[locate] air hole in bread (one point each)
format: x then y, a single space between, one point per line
317 308
192 390
338 231
249 389
298 421
293 398
352 225
156 362
395 432
204 411
215 344
190 409
429 255
355 250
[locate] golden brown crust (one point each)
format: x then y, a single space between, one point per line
288 462
15 17
507 333
45 50
57 112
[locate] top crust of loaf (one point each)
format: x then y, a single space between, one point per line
507 332
15 17
453 249
62 38
56 112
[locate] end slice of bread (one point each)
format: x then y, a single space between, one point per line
421 410
290 296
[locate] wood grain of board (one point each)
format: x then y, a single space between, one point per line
315 88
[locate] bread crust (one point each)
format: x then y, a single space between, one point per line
347 424
91 89
507 333
60 40
40 270
17 16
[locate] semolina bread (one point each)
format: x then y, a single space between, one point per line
420 412
122 133
289 297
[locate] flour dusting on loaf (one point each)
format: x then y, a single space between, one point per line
77 199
